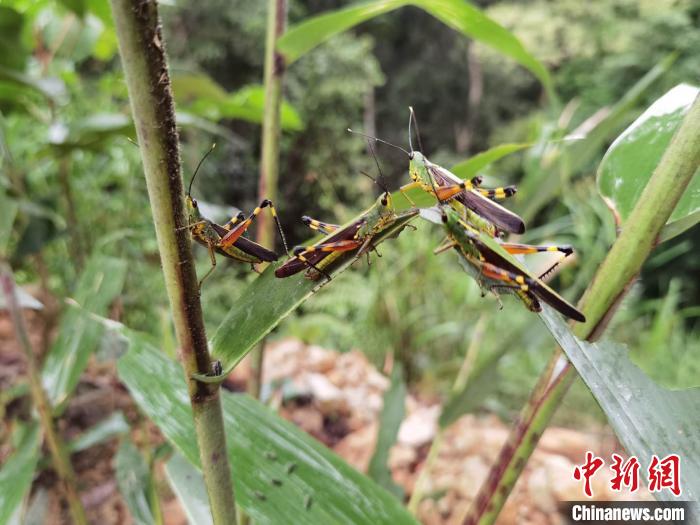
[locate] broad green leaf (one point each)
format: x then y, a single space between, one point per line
647 418
133 479
95 131
268 300
188 485
79 334
457 14
17 473
470 21
202 95
472 166
111 427
392 415
261 448
303 37
632 158
52 88
190 87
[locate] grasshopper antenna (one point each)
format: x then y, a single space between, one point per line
412 118
381 181
189 188
379 140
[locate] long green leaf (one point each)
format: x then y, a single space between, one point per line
268 300
390 420
17 473
470 21
470 167
52 88
203 96
647 418
112 426
188 484
631 159
303 37
281 473
79 334
457 14
133 478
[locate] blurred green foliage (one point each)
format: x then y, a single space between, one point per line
79 198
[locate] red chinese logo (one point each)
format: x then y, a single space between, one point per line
585 471
664 474
626 473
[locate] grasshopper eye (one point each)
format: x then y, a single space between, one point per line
410 156
194 203
444 217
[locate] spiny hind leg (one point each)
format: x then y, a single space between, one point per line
525 249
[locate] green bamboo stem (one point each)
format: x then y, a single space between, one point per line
270 150
611 282
141 47
59 454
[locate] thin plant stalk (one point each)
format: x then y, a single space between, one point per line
610 284
59 454
141 47
270 150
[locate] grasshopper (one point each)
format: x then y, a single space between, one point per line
228 240
495 272
356 235
445 185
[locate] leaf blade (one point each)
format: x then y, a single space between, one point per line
260 446
632 158
648 419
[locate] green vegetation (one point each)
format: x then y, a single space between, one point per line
593 114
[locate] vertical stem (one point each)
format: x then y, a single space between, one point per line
612 281
76 239
270 150
141 47
59 454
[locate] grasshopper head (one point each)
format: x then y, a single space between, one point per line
192 209
417 168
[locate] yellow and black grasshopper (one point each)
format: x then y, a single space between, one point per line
446 186
495 272
358 235
228 240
